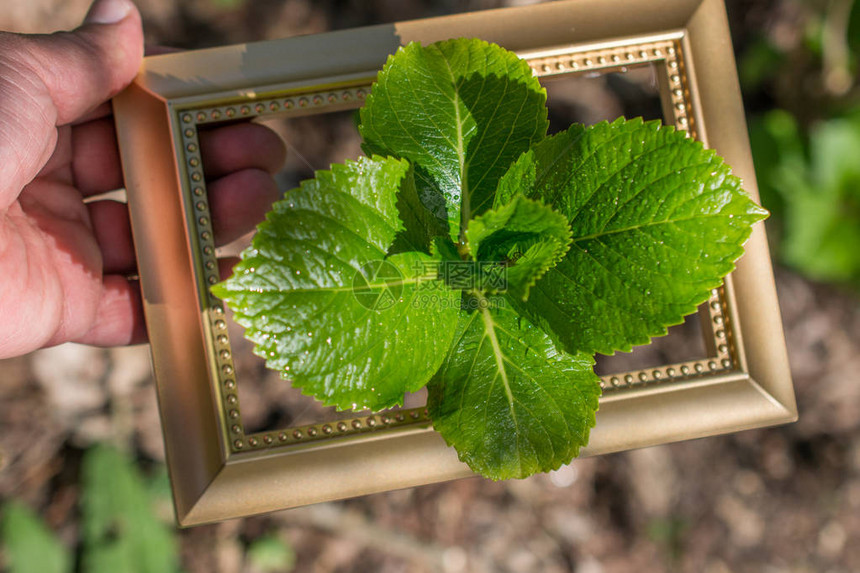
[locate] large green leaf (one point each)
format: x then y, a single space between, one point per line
657 221
524 238
461 111
507 400
323 304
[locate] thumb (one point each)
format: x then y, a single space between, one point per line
51 80
84 68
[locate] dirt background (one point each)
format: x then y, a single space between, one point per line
784 499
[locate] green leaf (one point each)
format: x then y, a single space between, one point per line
657 221
445 250
119 529
525 237
323 304
29 546
461 111
420 226
507 400
517 180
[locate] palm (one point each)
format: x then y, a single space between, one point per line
53 264
58 257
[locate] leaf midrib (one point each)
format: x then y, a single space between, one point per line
498 355
344 288
602 233
465 209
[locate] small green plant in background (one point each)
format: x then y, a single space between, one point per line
270 554
119 530
125 526
228 4
668 532
472 253
28 545
807 150
813 185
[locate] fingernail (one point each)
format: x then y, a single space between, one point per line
107 11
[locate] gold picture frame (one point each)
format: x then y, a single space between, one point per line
216 469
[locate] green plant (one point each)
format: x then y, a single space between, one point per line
29 546
271 554
472 253
814 185
119 531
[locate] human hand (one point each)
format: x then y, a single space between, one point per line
65 263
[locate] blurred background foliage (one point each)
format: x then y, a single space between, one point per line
799 77
84 506
119 528
125 526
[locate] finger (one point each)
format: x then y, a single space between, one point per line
54 80
239 201
112 229
96 166
241 146
119 318
86 67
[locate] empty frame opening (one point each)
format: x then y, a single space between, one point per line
593 97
